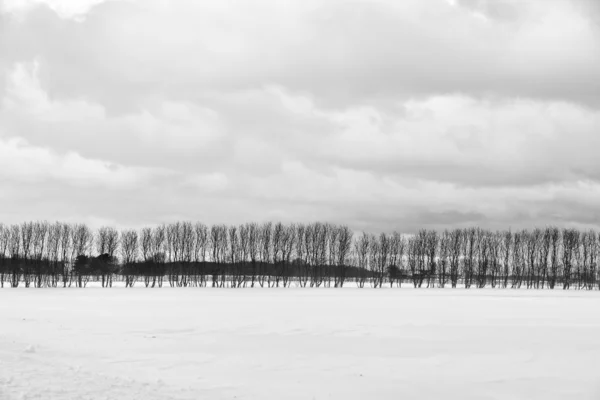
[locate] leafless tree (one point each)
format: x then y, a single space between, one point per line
413 254
4 241
456 245
15 253
495 250
129 254
201 250
40 238
82 240
589 248
362 250
469 252
507 245
218 237
186 245
318 258
519 258
66 247
431 251
554 256
302 254
570 247
531 245
544 253
27 231
107 242
264 252
277 251
289 245
159 238
445 243
380 251
482 243
147 256
234 256
343 250
253 249
332 253
374 253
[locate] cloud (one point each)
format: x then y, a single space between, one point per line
23 163
383 115
344 53
68 9
498 10
24 93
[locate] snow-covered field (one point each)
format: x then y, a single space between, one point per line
298 344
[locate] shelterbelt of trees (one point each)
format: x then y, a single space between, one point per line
182 254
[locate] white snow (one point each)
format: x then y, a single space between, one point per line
298 344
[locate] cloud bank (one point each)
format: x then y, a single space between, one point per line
382 115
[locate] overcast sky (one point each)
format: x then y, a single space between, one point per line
381 114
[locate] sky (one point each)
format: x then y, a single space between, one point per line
381 114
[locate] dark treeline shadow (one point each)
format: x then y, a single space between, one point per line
184 254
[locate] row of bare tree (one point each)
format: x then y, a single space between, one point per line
43 254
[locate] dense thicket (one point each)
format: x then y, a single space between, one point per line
183 254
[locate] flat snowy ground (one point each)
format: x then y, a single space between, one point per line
298 344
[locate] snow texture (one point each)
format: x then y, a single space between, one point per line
298 344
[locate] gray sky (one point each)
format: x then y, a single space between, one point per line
380 114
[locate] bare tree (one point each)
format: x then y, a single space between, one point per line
362 249
218 238
15 253
147 256
278 252
159 238
445 243
495 250
289 245
544 253
302 254
532 244
554 256
82 240
129 254
26 248
202 245
234 256
66 247
332 253
587 274
107 241
507 244
380 251
482 243
570 247
469 252
343 250
456 245
253 249
519 257
431 250
413 252
4 241
265 252
40 238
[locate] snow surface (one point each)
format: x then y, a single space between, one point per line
195 343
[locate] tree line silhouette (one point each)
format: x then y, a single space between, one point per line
182 254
